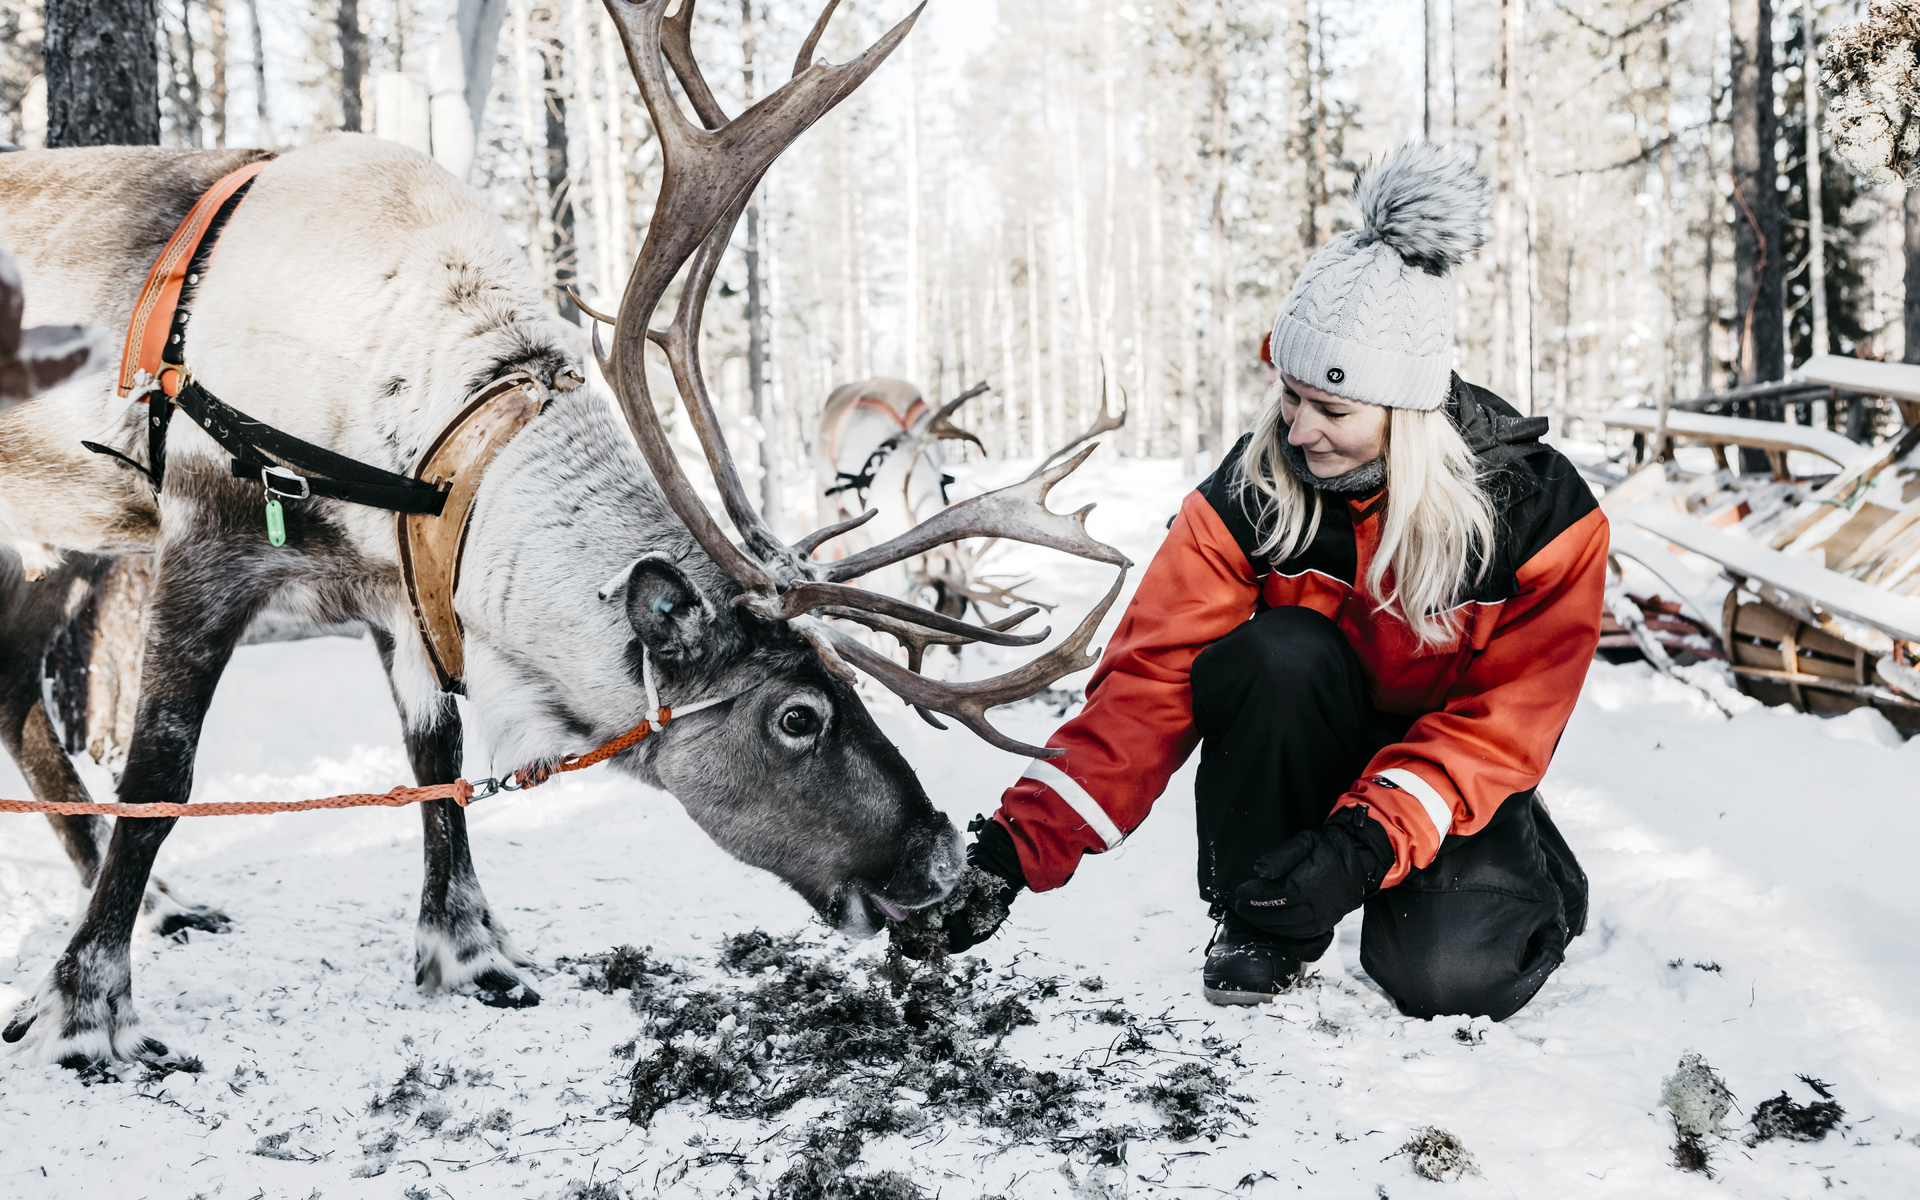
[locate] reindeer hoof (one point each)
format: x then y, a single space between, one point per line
176 922
17 1027
498 989
173 919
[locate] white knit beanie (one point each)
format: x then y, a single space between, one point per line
1371 317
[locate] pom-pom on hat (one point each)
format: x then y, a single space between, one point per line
1371 317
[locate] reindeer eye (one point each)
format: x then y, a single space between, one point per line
800 722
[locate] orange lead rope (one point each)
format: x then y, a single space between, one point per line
459 791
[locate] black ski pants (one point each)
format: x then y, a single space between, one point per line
1286 726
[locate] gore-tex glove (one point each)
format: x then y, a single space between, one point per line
1311 880
977 907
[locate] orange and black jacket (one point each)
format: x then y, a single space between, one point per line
1490 704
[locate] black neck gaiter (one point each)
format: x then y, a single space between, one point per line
1361 481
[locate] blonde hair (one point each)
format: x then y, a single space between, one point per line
1438 527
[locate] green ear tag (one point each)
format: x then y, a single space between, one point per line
276 522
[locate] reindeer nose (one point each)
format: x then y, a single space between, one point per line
945 862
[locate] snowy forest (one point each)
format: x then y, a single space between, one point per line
1032 194
1502 784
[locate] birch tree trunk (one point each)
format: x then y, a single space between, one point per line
1816 214
263 131
1665 318
1151 368
1189 422
217 47
913 326
1036 423
757 310
1910 221
1300 131
529 108
1502 360
1218 351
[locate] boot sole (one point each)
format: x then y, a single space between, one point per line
1227 999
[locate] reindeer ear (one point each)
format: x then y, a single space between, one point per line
666 611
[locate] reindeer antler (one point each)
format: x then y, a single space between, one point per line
709 172
1102 424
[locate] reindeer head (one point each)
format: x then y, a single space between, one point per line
784 767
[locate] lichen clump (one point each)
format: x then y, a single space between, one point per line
806 1028
1871 76
979 900
1699 1100
1438 1155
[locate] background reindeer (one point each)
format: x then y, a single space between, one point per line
879 445
358 297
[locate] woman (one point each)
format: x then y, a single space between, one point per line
1373 620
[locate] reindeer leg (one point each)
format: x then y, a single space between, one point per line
50 774
459 946
209 585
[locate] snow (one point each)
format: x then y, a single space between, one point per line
1752 903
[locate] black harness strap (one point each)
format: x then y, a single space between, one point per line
335 477
251 442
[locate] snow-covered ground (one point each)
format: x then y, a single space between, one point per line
1753 902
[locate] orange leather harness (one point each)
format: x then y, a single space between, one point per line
144 362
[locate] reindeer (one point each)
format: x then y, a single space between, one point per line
359 299
878 442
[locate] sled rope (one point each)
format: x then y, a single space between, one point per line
459 791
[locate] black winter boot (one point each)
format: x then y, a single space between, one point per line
1245 966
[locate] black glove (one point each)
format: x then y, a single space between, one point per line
1311 880
985 907
977 907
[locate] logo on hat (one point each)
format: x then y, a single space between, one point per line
1336 375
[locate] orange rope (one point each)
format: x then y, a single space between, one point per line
534 776
459 791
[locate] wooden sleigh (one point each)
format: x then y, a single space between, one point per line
1820 575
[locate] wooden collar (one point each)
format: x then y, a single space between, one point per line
431 547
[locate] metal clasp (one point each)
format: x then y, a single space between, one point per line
270 477
491 787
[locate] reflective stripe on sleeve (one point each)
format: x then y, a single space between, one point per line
1437 809
1064 786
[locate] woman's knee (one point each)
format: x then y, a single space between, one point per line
1290 651
1461 953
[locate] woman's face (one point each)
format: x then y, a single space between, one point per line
1335 433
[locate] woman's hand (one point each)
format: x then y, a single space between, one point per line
978 906
1313 879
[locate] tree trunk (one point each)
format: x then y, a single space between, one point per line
1664 393
353 64
757 309
1816 214
1756 240
217 27
562 248
1910 211
1301 125
103 79
1429 68
911 326
1501 350
263 131
1036 422
1217 324
1151 386
523 77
